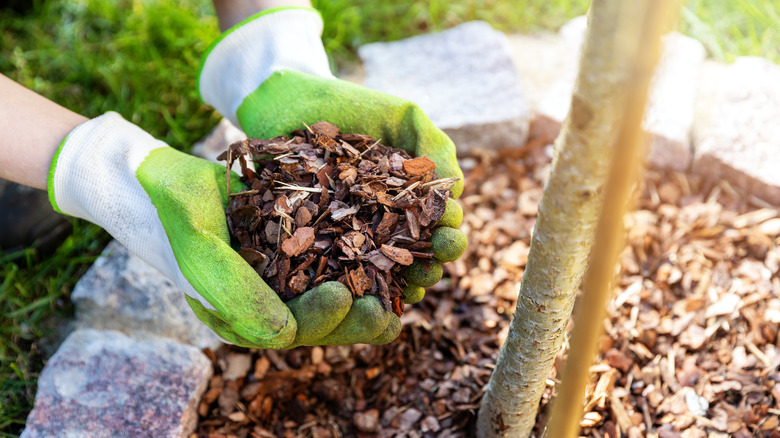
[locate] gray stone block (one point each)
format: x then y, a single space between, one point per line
736 133
122 292
106 384
671 102
670 108
463 78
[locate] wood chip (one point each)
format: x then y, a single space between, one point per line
398 255
418 166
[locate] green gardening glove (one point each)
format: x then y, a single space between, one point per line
270 74
168 208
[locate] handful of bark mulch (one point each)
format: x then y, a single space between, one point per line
325 206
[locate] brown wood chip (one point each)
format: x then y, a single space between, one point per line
418 166
398 255
298 242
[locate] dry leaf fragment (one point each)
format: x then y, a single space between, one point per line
340 210
252 256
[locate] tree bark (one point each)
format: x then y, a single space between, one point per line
566 224
567 407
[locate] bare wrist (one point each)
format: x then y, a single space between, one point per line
232 12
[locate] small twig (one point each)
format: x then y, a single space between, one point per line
227 168
406 190
245 192
322 216
369 148
287 186
441 181
758 353
279 157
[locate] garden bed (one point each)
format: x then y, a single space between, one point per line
691 344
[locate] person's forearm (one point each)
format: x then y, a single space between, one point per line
31 129
231 12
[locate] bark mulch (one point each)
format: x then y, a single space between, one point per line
329 206
691 346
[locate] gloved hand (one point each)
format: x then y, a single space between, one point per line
168 208
269 74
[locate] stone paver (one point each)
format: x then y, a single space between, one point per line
551 65
122 292
105 384
737 128
463 78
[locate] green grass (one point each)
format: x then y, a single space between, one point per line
140 58
731 28
33 295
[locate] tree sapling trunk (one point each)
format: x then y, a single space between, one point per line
566 223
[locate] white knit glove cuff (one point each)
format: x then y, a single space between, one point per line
248 54
93 177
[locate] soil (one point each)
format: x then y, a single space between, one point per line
691 347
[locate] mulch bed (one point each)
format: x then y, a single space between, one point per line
691 347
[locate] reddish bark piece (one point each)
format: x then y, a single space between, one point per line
348 176
302 217
398 255
386 226
418 166
300 241
380 260
325 128
413 223
299 282
282 205
360 281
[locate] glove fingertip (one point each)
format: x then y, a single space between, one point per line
390 334
424 273
453 215
448 244
413 294
457 189
365 321
319 311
